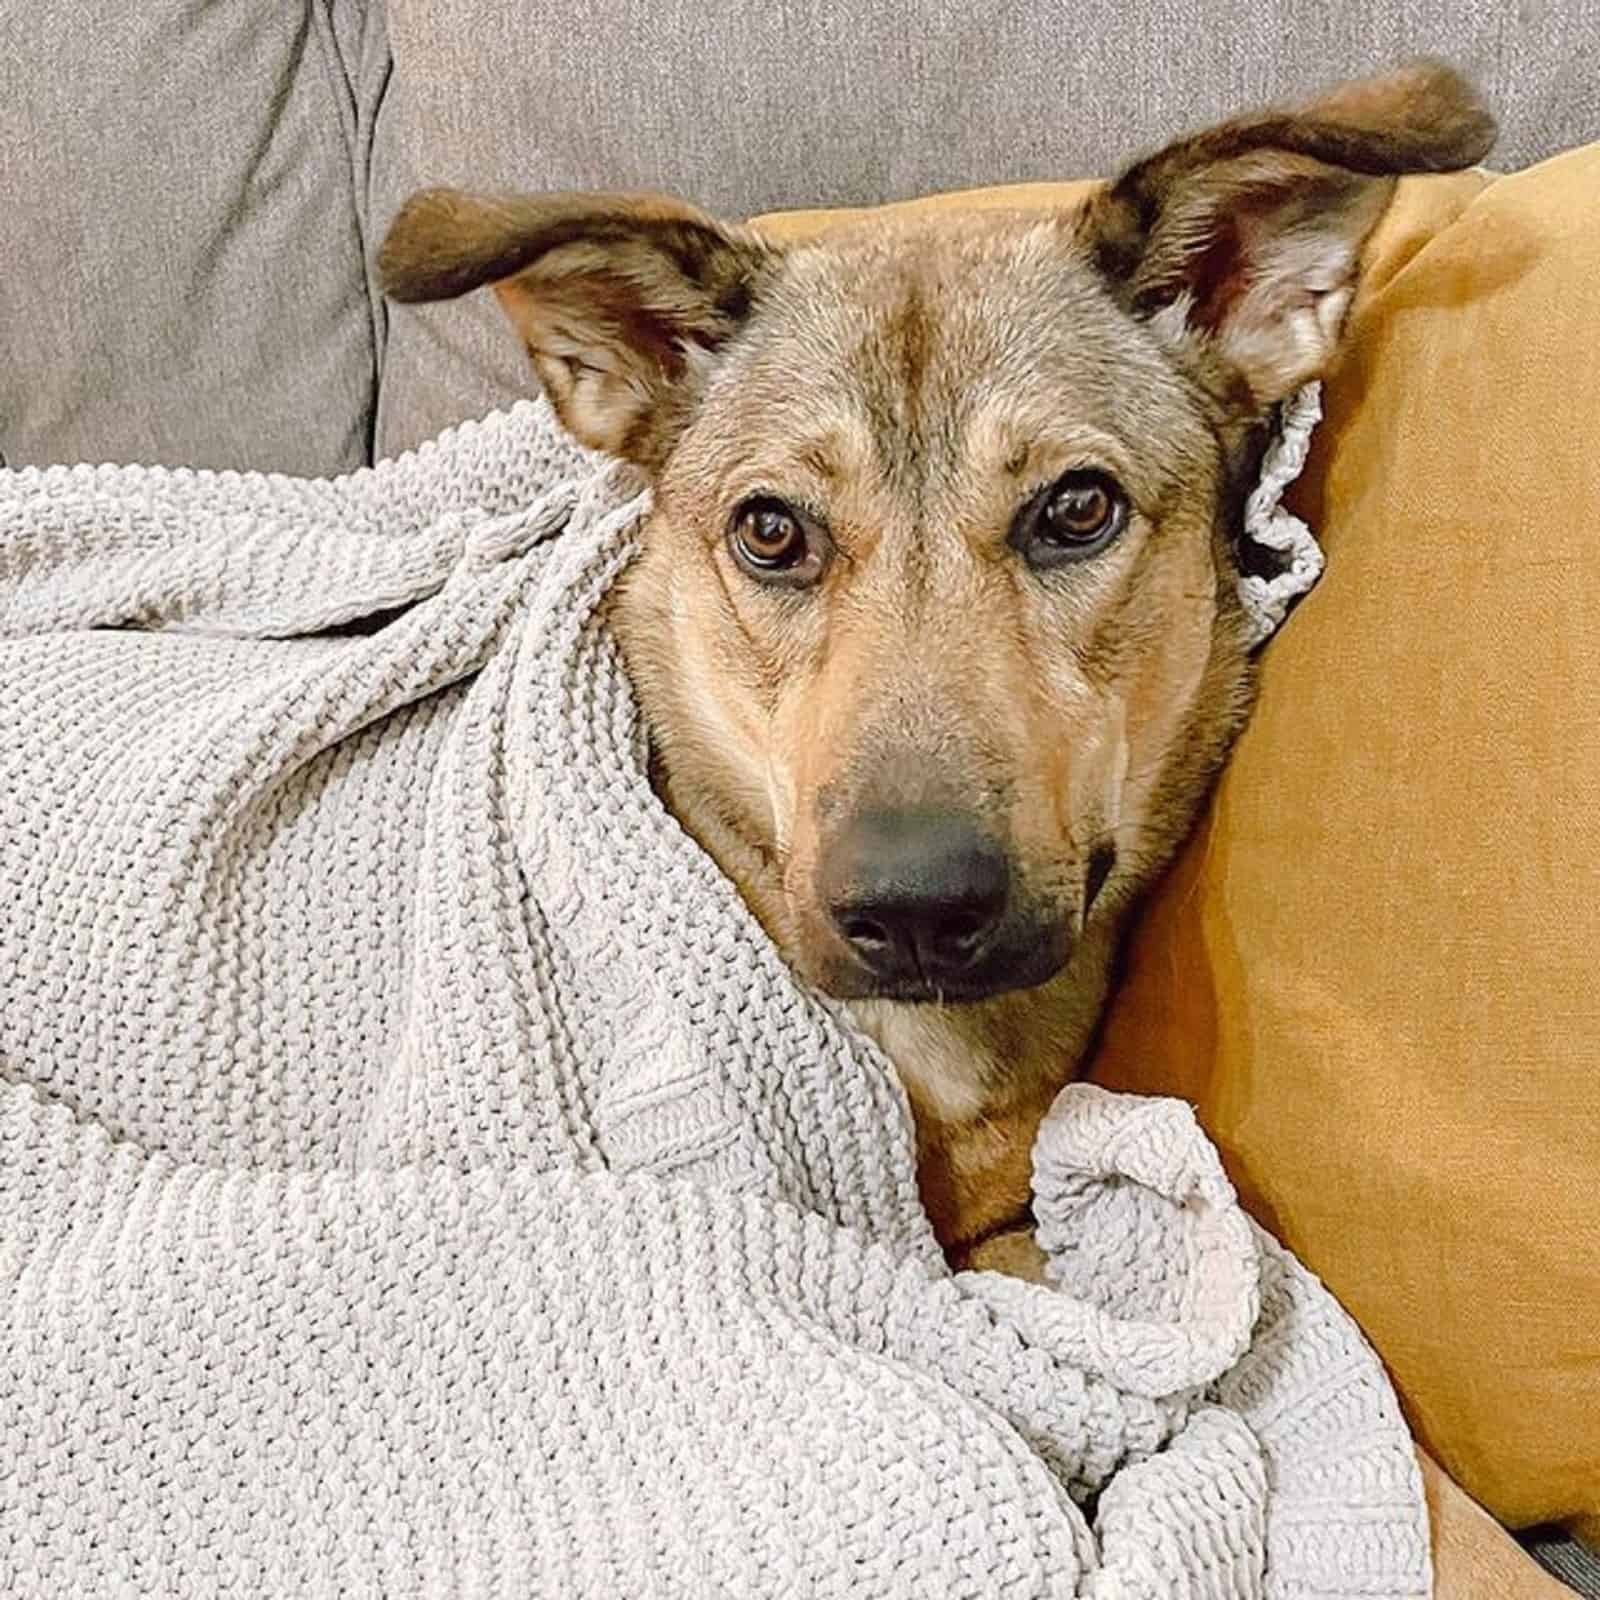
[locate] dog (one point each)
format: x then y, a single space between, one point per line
934 625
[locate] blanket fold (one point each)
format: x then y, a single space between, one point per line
419 1175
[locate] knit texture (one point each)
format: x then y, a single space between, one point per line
419 1174
1280 541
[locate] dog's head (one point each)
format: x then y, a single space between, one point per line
935 622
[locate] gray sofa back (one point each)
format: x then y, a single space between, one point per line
190 195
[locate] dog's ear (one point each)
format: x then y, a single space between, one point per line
617 297
1240 245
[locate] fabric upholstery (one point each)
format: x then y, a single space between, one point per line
181 267
187 188
1373 971
745 108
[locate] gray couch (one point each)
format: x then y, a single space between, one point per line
191 194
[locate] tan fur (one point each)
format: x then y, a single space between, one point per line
907 387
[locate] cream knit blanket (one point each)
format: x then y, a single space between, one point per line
420 1176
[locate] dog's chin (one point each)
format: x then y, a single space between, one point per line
1005 971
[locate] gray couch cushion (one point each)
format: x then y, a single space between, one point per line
749 107
181 272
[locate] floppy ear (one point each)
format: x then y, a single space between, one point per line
1240 245
615 296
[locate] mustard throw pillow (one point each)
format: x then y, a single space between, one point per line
1375 969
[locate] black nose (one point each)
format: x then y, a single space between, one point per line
917 895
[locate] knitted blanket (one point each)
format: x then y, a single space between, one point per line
419 1175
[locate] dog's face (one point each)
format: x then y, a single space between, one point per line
931 594
935 621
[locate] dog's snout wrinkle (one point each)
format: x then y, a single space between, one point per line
1102 862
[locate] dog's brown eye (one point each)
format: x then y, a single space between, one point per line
1077 516
1077 511
772 540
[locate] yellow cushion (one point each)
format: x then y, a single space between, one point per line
795 225
1374 970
